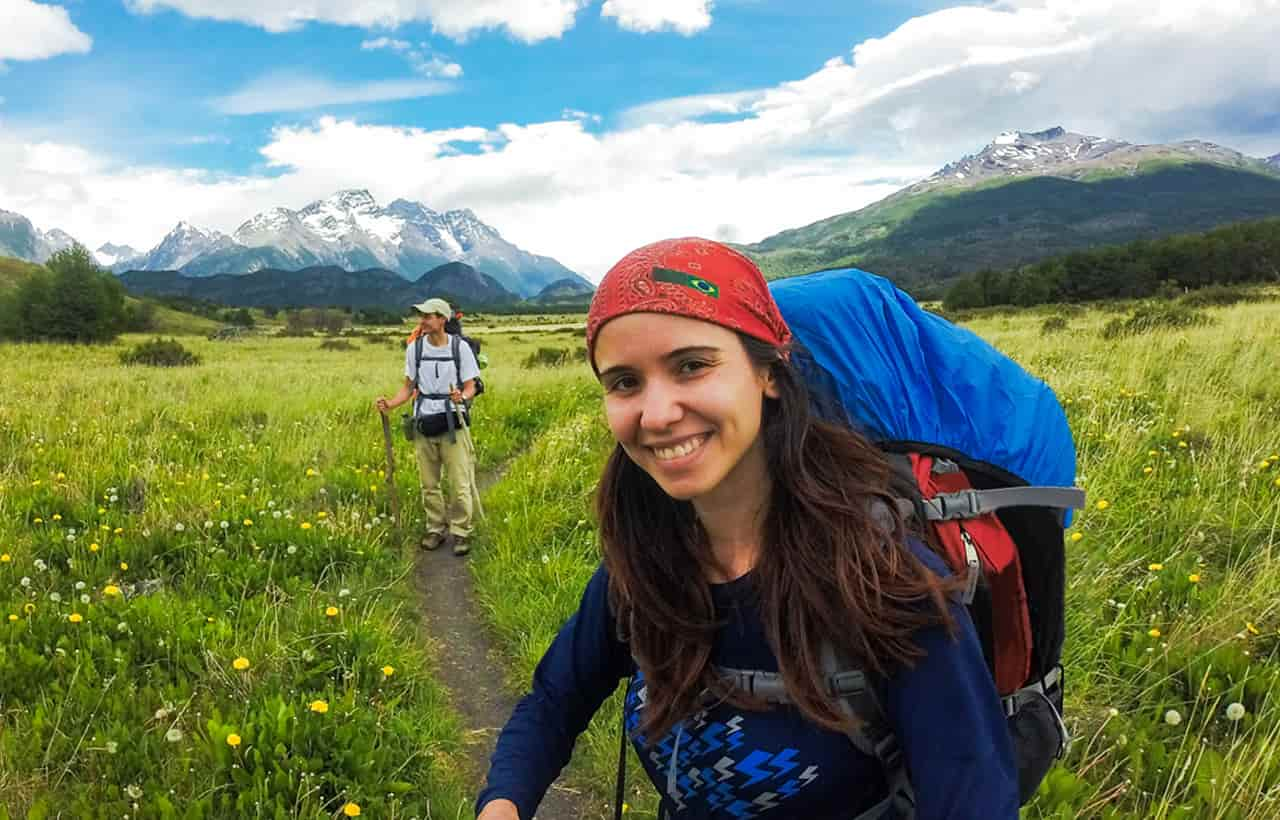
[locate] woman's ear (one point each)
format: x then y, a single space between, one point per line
770 385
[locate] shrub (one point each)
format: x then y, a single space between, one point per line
160 353
336 344
1214 296
1150 318
547 357
1054 324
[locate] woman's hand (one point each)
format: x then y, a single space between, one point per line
499 810
382 404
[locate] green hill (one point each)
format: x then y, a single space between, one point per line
932 233
13 271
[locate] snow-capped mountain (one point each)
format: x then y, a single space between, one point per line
109 254
1062 153
183 244
1274 162
351 230
20 238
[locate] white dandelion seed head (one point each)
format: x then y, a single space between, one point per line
80 585
275 514
292 549
173 735
55 597
84 599
1172 717
224 525
1113 712
179 527
112 747
344 592
1235 711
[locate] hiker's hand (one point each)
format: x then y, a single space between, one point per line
382 404
455 395
499 810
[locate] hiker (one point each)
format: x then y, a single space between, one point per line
741 533
442 373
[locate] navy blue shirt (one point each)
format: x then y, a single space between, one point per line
727 763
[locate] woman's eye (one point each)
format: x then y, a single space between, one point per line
690 366
620 383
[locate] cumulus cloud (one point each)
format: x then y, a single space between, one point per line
747 164
35 31
684 16
527 20
301 92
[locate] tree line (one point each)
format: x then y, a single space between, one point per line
1245 252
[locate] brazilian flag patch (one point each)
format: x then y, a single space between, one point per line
675 277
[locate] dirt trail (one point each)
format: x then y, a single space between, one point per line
468 667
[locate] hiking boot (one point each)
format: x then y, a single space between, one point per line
460 545
433 541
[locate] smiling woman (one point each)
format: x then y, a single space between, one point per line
740 533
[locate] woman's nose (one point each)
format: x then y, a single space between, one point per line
661 407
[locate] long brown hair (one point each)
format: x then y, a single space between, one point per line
827 572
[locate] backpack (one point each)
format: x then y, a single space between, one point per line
453 326
454 356
983 459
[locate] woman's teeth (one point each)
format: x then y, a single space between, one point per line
682 449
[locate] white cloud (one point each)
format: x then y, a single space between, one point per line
684 16
895 109
300 92
34 31
421 56
527 20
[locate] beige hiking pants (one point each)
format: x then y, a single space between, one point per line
458 461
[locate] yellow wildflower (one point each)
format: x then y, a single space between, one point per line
351 810
61 476
1153 452
310 472
101 510
39 520
94 547
320 707
248 522
1182 444
28 608
123 566
57 516
388 671
322 514
4 559
75 617
1253 630
1155 567
1103 504
240 664
1153 632
233 740
306 525
331 611
118 530
1194 577
1148 470
12 617
1077 536
111 589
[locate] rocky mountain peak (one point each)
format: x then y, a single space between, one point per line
1018 153
1273 161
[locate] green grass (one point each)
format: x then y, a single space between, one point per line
1171 602
230 504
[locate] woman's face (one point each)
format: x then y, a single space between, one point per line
684 401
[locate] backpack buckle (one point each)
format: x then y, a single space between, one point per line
961 504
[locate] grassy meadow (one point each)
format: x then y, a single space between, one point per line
207 611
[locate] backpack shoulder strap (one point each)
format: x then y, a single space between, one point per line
872 735
455 343
417 363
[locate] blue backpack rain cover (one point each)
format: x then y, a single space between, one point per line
901 373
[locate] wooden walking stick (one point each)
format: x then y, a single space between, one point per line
391 469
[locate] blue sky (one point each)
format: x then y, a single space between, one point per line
580 128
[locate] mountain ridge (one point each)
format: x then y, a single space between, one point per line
351 230
1027 196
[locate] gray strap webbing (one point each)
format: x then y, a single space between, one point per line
973 503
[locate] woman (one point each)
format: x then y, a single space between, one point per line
739 532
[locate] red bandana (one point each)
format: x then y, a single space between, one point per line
689 277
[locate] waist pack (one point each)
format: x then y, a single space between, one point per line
437 424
